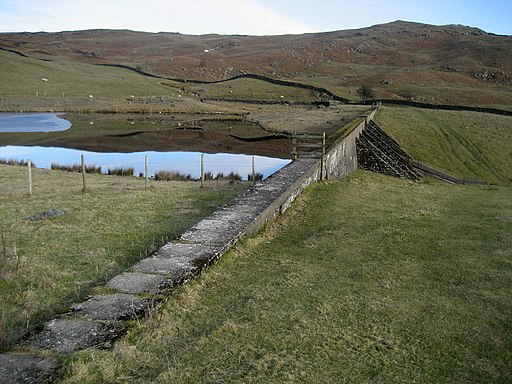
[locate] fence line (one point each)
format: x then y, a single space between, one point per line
215 170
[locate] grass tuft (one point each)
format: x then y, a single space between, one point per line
257 177
93 169
21 162
121 171
172 176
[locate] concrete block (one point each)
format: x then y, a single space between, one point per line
66 336
138 283
27 369
185 251
176 269
111 307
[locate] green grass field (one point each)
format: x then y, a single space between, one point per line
368 280
371 279
68 86
47 265
35 85
466 145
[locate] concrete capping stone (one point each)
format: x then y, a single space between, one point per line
189 255
185 250
27 369
66 336
175 270
135 282
114 307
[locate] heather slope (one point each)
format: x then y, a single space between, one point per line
442 64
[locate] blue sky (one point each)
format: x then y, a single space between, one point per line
254 17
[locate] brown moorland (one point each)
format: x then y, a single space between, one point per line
450 64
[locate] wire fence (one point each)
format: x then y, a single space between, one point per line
165 166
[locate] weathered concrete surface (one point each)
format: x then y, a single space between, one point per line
161 266
252 209
341 160
66 336
138 283
186 254
27 369
111 307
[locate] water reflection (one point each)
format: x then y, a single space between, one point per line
32 122
184 162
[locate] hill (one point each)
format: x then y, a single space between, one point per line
451 64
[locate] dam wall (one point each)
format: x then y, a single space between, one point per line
341 160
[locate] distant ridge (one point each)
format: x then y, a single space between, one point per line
397 58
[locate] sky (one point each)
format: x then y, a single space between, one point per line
247 17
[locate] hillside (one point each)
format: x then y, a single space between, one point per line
440 64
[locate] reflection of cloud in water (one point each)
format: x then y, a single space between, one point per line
184 162
32 122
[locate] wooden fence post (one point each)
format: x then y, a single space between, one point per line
202 170
82 161
324 166
294 145
29 166
253 172
146 172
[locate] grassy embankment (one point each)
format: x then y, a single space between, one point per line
47 265
371 279
70 85
467 145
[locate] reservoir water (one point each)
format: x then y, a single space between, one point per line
171 142
184 162
32 122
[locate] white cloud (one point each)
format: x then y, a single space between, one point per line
184 16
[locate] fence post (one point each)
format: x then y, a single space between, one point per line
29 166
294 145
323 171
82 161
253 172
202 170
145 172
